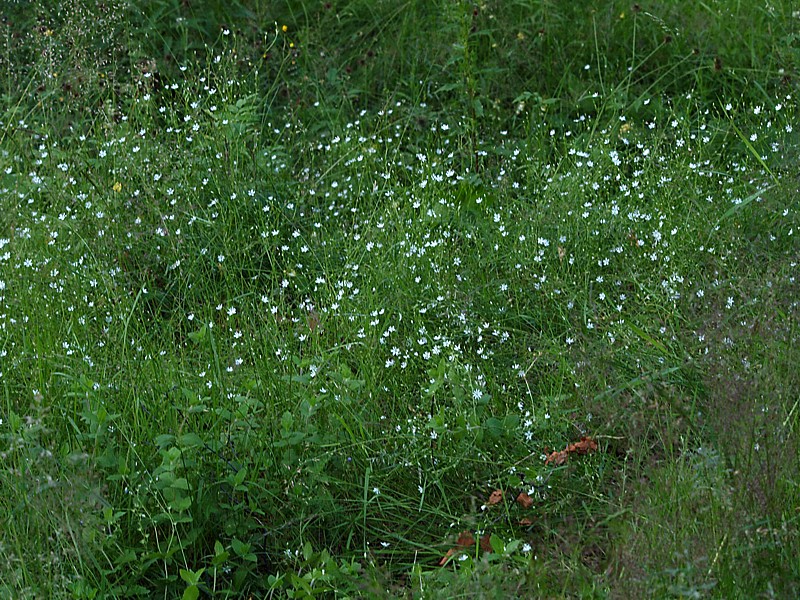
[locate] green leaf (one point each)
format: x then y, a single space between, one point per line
180 483
287 420
447 87
191 577
180 504
238 479
239 547
190 440
220 555
191 593
494 427
164 440
200 335
510 424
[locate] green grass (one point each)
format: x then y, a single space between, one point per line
282 308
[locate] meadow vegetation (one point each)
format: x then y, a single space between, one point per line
308 299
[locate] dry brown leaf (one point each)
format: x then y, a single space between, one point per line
465 540
486 544
496 497
524 500
585 446
447 556
556 458
526 522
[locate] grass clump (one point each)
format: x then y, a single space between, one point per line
386 300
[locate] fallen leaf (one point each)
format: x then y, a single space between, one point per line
524 500
585 446
447 556
495 498
486 543
465 540
557 458
526 522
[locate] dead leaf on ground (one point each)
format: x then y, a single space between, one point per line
524 500
526 522
585 446
496 497
465 540
557 458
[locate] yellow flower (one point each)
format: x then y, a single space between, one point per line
117 187
284 28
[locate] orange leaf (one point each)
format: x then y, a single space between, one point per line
585 446
447 556
557 458
495 498
524 500
465 540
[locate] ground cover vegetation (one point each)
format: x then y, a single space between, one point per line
399 299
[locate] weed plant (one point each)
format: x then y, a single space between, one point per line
290 288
